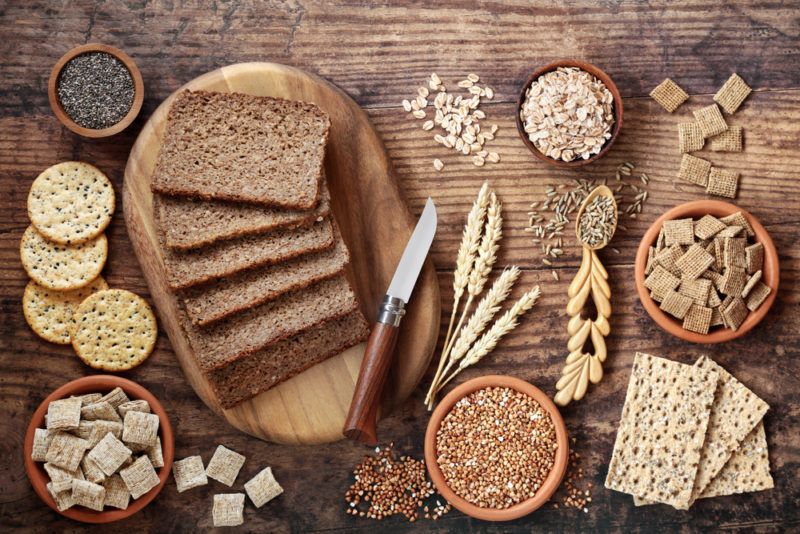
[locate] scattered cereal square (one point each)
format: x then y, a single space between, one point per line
228 509
109 454
263 487
62 498
117 494
669 95
140 477
694 170
66 451
754 257
694 262
731 95
64 414
735 313
690 137
100 411
140 428
189 473
61 478
738 219
727 141
708 227
41 442
156 455
225 465
88 494
723 183
710 120
698 319
679 232
757 296
676 304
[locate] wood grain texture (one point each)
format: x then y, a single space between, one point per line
379 54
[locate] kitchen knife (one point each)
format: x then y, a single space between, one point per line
361 419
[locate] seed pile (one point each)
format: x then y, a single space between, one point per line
577 495
96 90
496 447
392 486
568 114
598 222
457 117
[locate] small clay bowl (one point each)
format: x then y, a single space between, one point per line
99 384
597 73
550 484
695 210
58 109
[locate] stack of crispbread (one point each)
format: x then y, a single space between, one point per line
249 242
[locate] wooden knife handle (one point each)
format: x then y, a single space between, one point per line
361 420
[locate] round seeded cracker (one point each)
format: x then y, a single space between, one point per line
71 202
62 267
49 313
115 330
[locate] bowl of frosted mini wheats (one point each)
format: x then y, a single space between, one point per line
707 271
99 449
496 448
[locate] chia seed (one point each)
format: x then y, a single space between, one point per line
96 90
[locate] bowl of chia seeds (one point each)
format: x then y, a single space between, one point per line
96 90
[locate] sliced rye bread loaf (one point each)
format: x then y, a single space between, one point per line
262 370
193 267
212 302
245 333
189 223
232 146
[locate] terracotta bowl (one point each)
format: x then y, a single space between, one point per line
550 484
138 88
695 210
103 384
597 73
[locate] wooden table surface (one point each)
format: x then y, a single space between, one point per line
379 53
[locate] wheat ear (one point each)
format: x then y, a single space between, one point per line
470 242
500 328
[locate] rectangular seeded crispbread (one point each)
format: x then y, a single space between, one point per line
661 431
249 376
232 146
250 331
746 470
190 223
209 303
190 268
735 412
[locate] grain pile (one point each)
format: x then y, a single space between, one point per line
253 254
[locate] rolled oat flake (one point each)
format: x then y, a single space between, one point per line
96 90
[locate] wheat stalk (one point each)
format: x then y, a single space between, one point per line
500 328
467 251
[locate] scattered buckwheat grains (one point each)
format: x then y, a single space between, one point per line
457 117
575 493
496 447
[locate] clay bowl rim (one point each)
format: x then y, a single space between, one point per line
598 73
138 91
551 483
90 384
696 209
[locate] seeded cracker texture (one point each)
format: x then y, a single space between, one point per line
50 313
662 430
189 473
62 267
274 147
263 487
747 469
228 509
225 465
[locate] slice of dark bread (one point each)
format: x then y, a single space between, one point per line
189 223
262 370
247 332
193 267
212 302
232 146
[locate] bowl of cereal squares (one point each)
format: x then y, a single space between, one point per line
496 448
569 113
707 271
99 449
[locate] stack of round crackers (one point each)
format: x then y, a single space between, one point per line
64 251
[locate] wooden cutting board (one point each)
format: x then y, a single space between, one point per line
375 223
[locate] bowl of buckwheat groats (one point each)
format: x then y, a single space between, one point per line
496 448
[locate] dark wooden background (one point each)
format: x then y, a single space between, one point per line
379 53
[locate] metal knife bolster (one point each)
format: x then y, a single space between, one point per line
391 311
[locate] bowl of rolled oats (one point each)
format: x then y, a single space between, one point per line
569 113
496 448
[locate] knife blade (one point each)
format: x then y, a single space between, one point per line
362 416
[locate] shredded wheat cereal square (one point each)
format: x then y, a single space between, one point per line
690 137
660 282
708 227
228 509
735 255
697 290
667 258
751 283
156 454
738 219
117 494
189 473
735 313
698 319
64 414
727 141
710 120
140 477
62 478
757 296
694 170
754 257
140 428
713 298
716 317
660 240
88 494
100 411
263 487
722 182
651 254
746 471
225 465
733 281
669 95
41 442
109 454
91 471
676 304
66 451
115 397
694 262
678 232
63 498
140 405
84 430
101 428
90 398
731 95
